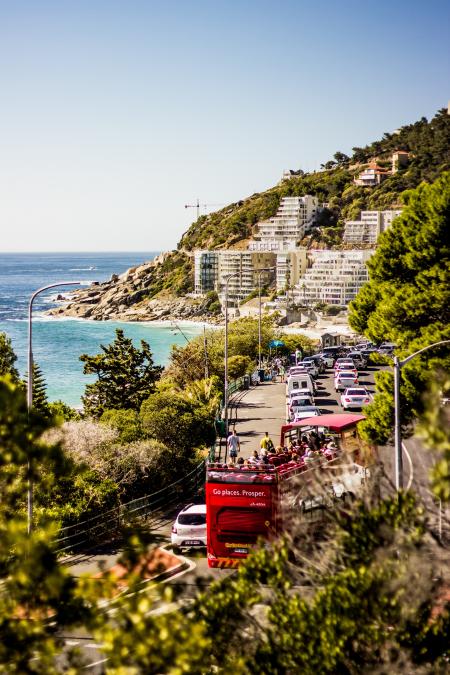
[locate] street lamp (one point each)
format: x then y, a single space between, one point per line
225 396
259 272
398 365
30 385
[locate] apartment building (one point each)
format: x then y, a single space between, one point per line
293 219
334 277
369 227
291 265
206 271
245 265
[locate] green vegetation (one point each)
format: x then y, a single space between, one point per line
126 376
40 400
407 301
7 358
338 604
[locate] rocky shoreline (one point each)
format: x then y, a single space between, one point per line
125 298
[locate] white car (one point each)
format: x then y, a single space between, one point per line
344 364
344 379
298 403
311 368
355 397
307 411
328 359
189 528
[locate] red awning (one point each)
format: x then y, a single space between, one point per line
334 422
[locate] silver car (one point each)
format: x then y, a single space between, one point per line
344 379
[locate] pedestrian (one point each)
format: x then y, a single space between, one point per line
298 356
234 445
266 442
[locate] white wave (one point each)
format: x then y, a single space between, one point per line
83 269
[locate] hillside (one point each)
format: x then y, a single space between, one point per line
159 285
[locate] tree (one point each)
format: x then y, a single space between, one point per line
238 366
341 158
34 586
63 412
7 358
40 400
407 299
126 376
180 423
126 422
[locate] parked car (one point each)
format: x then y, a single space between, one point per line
189 528
355 397
317 359
368 352
306 411
358 359
386 348
298 403
344 379
311 368
327 358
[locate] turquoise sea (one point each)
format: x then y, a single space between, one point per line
58 343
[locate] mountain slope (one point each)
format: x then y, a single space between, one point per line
159 284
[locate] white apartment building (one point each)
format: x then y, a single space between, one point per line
245 265
206 271
335 277
369 227
291 265
293 219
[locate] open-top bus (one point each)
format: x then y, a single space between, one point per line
244 504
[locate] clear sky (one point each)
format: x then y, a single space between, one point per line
113 115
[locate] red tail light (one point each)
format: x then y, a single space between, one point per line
355 381
367 400
174 529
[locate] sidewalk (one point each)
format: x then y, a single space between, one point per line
263 408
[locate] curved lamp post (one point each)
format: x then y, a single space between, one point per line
30 385
398 365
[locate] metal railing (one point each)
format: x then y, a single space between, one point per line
106 525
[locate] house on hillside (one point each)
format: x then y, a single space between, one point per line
371 176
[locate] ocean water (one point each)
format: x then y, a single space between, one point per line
58 343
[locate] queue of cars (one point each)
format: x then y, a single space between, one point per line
347 362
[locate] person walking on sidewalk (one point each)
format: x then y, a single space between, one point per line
234 445
266 442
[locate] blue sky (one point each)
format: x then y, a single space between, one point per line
114 115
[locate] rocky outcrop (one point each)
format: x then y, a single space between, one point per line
126 298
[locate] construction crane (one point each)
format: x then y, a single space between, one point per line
198 205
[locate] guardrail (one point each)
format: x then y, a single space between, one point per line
105 525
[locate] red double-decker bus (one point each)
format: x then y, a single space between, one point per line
246 504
